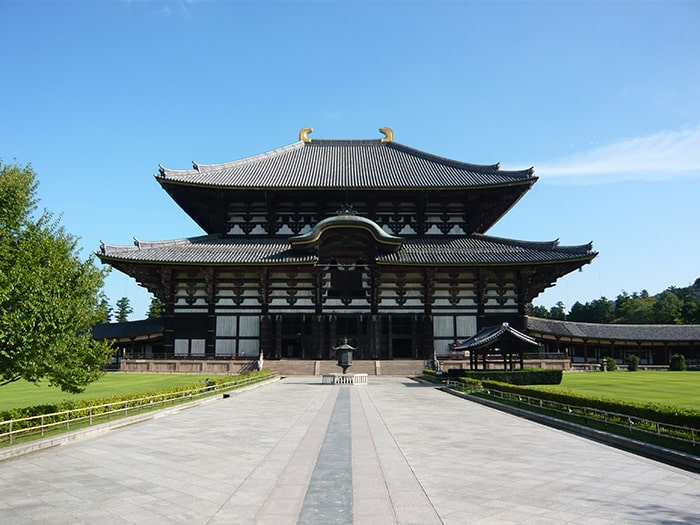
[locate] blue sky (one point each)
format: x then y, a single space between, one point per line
602 98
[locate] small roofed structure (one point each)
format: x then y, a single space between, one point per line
502 340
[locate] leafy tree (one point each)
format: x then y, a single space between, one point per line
672 306
48 297
597 311
667 308
124 310
156 309
106 311
558 312
538 311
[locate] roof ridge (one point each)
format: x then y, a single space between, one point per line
208 168
539 245
525 173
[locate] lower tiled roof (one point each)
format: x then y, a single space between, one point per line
614 332
439 250
151 327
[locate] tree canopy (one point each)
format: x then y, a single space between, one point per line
156 309
124 310
672 306
49 298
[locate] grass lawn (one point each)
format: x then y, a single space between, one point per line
680 389
23 394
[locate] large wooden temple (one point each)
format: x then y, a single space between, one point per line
324 240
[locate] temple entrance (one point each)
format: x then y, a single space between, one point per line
401 348
291 348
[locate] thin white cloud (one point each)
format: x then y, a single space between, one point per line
661 156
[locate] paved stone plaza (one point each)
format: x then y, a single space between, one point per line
297 451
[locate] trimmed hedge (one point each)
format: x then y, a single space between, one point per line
528 376
677 363
59 408
651 411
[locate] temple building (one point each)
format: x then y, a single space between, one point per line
368 241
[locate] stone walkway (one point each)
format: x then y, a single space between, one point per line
296 451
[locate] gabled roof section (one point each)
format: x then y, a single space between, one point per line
492 335
346 164
346 222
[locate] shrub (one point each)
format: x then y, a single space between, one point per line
609 364
528 376
471 384
632 362
677 363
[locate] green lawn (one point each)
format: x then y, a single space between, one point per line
680 389
23 394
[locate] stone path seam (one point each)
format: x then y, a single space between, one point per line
371 500
274 491
409 499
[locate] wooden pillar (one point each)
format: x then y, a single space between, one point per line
210 341
278 337
168 287
326 352
390 342
267 339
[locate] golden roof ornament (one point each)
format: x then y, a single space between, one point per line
388 134
304 134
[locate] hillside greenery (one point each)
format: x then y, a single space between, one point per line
672 306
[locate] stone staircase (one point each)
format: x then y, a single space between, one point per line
392 367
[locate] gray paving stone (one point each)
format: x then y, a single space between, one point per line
404 453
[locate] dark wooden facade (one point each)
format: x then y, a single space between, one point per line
323 240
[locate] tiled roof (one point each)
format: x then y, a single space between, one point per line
492 334
128 329
347 164
480 249
208 249
439 250
614 332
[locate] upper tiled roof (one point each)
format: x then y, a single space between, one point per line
614 332
439 250
347 164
